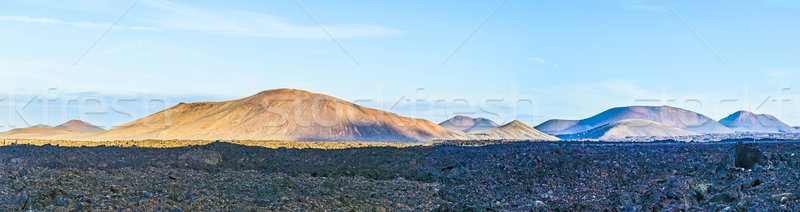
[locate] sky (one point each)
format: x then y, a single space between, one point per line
111 62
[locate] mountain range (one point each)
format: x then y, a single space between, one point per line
670 116
296 115
73 127
630 128
514 130
468 124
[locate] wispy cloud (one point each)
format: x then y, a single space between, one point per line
783 73
544 62
243 23
77 24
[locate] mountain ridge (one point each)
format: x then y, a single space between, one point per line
747 122
79 126
630 128
514 130
670 116
468 124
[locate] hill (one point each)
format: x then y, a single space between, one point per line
79 127
514 130
40 126
468 124
670 116
29 133
72 127
281 114
630 128
747 122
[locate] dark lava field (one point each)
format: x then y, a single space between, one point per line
520 176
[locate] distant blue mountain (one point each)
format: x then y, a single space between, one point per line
669 116
629 128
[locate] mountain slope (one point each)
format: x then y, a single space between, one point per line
30 133
281 114
629 128
72 127
468 124
513 130
79 127
670 116
556 126
40 126
747 122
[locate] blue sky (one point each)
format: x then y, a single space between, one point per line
571 59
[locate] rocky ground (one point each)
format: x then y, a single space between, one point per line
511 176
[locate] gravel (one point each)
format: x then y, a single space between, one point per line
512 176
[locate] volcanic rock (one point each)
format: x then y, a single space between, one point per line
209 157
748 155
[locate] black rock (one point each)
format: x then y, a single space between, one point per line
20 201
15 161
723 197
60 201
748 155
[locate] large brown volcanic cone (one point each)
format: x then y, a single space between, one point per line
281 114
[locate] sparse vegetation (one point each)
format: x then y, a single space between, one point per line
183 143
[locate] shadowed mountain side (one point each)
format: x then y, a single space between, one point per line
468 124
670 116
515 130
629 128
555 126
281 114
747 122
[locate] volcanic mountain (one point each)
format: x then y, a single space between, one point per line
281 114
515 130
79 127
40 126
30 133
72 127
747 122
670 116
629 128
468 124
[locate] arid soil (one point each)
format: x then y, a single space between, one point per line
511 176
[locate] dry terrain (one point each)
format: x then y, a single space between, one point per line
521 176
183 143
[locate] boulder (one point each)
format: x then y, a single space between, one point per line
748 155
209 157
